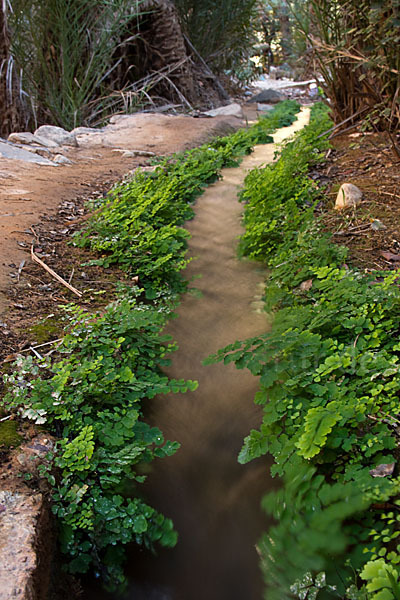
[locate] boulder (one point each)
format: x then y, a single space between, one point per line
58 135
349 196
231 110
25 137
13 152
60 159
268 97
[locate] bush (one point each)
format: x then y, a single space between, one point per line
329 374
93 394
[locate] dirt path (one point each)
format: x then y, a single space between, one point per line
213 501
29 191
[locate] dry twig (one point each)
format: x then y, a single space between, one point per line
37 260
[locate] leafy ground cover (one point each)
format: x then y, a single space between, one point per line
92 392
329 387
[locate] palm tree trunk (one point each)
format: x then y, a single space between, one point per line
167 47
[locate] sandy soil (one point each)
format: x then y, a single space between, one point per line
30 191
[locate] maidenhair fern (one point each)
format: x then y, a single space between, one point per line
329 373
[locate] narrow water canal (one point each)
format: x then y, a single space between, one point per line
213 501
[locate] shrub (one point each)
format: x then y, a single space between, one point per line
93 394
329 373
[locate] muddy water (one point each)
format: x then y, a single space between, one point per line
213 501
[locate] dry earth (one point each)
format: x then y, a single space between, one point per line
30 191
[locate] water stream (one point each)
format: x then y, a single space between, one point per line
213 501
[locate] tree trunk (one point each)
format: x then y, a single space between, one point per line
167 47
186 81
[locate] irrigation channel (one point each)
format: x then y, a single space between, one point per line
213 501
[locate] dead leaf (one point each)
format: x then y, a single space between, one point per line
383 470
389 255
306 285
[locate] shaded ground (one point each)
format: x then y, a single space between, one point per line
372 230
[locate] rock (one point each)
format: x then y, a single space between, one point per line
349 195
60 159
41 150
57 135
132 153
27 544
13 152
231 110
118 118
264 107
377 225
85 130
313 90
384 470
25 137
268 97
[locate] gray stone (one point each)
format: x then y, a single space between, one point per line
231 110
25 137
9 150
349 196
57 135
86 130
118 118
264 107
132 153
60 159
268 97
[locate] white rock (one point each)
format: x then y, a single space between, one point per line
13 152
349 195
60 159
118 118
25 137
131 153
85 130
57 135
231 110
264 107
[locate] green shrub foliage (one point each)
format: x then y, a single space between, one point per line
140 226
93 394
329 386
92 397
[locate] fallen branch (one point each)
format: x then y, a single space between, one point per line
37 260
335 127
14 356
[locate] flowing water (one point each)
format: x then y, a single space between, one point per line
213 501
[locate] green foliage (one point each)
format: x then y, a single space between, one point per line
281 191
140 226
93 394
309 586
222 32
93 398
329 373
9 436
382 580
65 50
